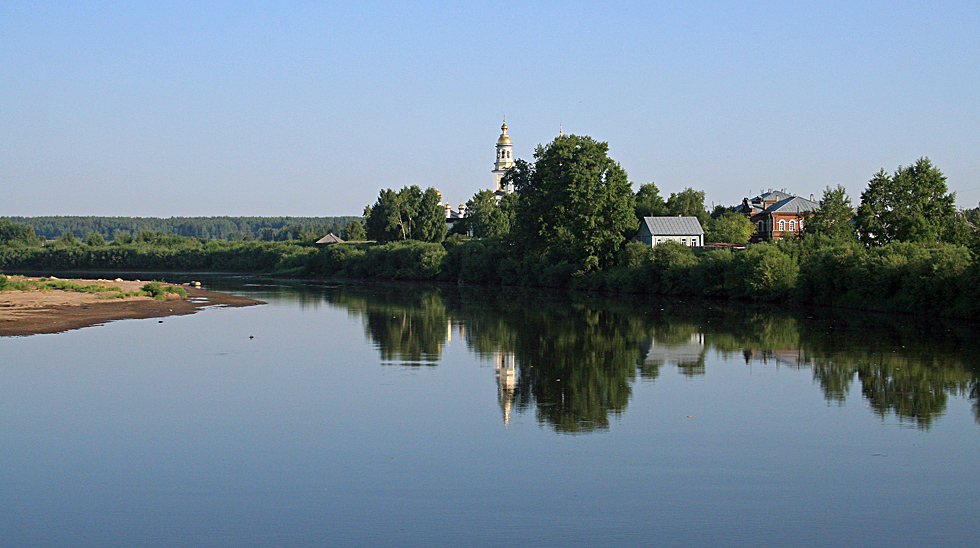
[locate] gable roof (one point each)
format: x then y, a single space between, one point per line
673 226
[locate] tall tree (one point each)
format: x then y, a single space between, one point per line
730 227
688 203
354 231
833 218
487 216
912 205
648 202
384 219
17 234
430 218
409 213
574 202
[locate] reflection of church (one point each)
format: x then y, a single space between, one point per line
505 370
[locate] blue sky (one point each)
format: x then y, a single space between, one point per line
310 108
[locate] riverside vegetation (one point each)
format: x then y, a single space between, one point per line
157 290
568 226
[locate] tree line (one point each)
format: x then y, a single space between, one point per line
569 225
216 228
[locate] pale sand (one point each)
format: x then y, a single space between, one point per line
54 311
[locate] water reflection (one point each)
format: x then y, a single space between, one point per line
574 362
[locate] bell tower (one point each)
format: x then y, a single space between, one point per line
505 161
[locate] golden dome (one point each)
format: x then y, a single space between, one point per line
504 138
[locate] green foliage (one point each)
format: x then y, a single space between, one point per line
574 204
912 205
485 261
409 214
729 227
354 231
765 272
47 284
408 260
122 238
688 203
487 217
7 284
833 219
648 202
829 274
219 228
159 291
670 268
17 234
95 239
340 260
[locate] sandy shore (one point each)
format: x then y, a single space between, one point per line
53 311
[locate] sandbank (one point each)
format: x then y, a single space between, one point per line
54 311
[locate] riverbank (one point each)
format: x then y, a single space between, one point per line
54 310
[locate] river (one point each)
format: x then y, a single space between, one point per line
403 415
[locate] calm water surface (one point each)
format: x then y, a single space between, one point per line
419 416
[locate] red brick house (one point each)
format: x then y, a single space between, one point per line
777 215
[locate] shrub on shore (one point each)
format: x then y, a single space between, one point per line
159 291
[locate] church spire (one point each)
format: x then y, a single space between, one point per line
505 159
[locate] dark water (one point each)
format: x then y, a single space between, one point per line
414 416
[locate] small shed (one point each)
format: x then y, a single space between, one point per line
683 230
330 239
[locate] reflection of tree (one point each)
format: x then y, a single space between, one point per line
904 367
408 327
911 393
834 378
574 361
975 396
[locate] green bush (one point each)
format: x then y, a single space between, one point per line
764 272
158 291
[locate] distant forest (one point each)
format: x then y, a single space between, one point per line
218 228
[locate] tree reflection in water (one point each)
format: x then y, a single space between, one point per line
574 361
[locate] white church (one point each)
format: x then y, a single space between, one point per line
505 161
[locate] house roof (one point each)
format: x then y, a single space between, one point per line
793 204
673 226
772 196
330 239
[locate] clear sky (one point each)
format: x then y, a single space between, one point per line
310 108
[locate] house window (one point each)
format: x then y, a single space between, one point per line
792 226
782 225
762 226
683 241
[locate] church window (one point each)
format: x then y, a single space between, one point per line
782 225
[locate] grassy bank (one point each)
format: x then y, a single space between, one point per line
938 280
